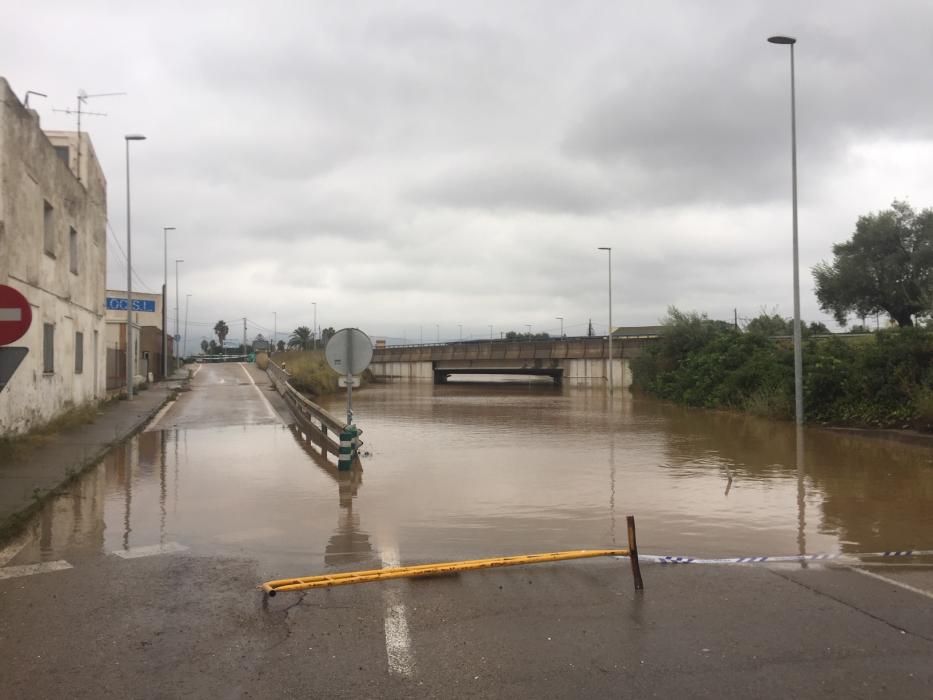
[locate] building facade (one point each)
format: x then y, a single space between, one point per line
53 218
147 337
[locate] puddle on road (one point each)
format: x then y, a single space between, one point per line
468 471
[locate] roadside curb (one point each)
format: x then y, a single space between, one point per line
14 524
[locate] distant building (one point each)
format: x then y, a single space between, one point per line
53 249
147 336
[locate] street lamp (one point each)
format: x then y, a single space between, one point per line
184 342
177 260
561 319
798 349
490 331
130 369
275 329
609 250
314 329
165 230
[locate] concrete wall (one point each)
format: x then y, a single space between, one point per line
403 371
32 173
596 372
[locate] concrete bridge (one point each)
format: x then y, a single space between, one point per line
574 361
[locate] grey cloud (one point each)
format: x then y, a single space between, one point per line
711 123
517 186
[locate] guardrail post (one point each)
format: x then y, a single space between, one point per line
345 457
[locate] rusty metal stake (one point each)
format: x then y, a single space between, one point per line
633 553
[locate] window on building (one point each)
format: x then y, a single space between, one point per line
48 348
73 250
63 152
79 353
48 223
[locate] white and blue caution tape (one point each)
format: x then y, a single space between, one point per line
669 559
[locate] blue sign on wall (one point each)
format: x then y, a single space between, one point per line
119 304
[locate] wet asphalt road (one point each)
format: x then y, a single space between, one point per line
193 625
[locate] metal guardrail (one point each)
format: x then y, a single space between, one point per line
220 358
320 422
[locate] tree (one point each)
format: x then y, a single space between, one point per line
818 328
771 324
887 266
589 329
300 338
280 345
205 346
512 335
221 330
327 334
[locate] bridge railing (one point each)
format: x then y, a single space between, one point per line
313 419
551 349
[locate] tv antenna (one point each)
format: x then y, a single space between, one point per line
32 92
83 97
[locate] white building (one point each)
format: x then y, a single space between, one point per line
53 250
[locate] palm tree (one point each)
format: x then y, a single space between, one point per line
301 337
221 330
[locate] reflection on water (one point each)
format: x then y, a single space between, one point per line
465 470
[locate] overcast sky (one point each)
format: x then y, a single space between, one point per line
413 164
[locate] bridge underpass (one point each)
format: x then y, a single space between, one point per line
442 374
573 361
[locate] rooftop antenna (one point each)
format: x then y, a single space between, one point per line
83 97
32 92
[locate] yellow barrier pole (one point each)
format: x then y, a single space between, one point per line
351 577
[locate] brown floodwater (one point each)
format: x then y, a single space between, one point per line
473 469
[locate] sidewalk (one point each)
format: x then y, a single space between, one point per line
26 479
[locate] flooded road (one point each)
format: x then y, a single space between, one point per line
471 470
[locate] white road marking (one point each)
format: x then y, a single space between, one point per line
150 550
154 425
272 413
30 569
906 587
196 370
398 640
9 552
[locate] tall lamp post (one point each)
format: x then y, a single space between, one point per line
177 260
798 349
165 230
130 368
314 328
184 342
609 250
561 319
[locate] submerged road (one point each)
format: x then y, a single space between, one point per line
153 594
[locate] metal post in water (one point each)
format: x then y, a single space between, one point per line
633 553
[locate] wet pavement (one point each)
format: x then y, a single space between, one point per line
232 496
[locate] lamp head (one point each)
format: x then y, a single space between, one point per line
603 248
135 137
782 39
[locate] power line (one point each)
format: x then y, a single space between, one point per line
113 237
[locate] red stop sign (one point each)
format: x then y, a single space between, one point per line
15 315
